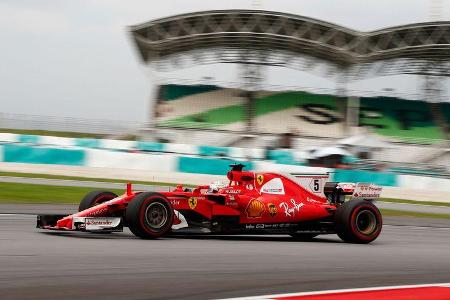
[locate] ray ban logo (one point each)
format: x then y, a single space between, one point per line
291 210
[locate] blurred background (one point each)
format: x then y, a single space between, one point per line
94 94
191 86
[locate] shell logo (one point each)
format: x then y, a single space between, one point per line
255 209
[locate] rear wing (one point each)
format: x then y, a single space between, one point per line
365 191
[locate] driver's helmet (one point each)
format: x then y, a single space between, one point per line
215 186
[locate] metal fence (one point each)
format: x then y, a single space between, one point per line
66 124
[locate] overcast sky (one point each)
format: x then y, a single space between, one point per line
75 58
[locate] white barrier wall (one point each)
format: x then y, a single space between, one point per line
117 144
181 148
9 137
124 160
28 149
424 183
56 141
246 153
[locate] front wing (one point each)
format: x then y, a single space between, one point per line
91 224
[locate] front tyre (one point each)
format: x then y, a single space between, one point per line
358 221
95 198
149 215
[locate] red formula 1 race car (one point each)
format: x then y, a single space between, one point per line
301 205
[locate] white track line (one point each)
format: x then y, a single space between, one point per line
268 297
18 215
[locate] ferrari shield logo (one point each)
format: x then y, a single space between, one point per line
192 202
259 179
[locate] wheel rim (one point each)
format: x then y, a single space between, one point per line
156 215
366 222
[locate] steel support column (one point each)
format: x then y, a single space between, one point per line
342 101
433 93
252 77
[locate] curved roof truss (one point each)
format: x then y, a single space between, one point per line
241 31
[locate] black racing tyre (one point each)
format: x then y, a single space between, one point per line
95 198
358 221
303 236
149 215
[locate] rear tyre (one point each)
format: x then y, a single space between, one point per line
95 198
303 236
149 215
358 221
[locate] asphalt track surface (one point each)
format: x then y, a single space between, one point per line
35 264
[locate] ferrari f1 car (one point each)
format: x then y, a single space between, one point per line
301 205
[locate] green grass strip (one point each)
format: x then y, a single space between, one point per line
412 214
433 203
35 193
78 178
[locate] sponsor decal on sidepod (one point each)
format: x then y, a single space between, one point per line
255 209
272 209
290 211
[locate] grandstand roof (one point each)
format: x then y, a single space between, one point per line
237 32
